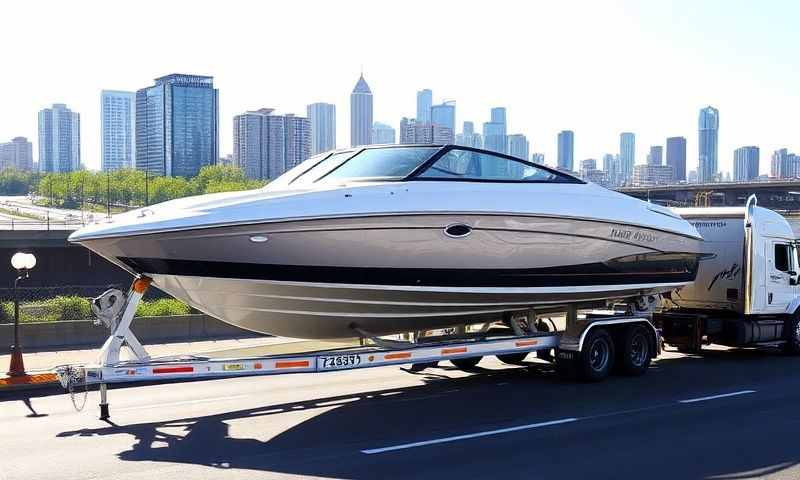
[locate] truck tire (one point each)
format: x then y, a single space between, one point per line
634 353
597 357
466 363
792 328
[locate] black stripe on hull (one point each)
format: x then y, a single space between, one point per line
640 269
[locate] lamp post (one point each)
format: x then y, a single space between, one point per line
22 263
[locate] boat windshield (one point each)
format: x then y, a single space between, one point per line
463 164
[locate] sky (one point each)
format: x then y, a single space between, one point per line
595 67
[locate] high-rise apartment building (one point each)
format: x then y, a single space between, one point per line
708 130
16 154
655 157
424 104
266 145
444 114
518 146
59 139
627 155
652 174
676 157
361 114
785 164
745 163
468 137
412 132
537 158
611 167
382 134
566 150
322 117
495 131
177 125
117 127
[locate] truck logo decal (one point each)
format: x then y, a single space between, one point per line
638 235
726 274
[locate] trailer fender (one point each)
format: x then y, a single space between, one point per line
655 344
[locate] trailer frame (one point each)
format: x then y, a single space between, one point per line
109 369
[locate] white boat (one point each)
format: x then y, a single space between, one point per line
390 239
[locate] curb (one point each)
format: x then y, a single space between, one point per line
28 382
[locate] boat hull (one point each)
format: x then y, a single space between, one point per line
382 274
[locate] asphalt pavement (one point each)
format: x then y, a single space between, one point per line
725 415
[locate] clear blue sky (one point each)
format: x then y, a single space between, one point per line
595 67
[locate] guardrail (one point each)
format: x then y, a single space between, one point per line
46 224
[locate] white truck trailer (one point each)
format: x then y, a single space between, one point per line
746 293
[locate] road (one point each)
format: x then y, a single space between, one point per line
729 415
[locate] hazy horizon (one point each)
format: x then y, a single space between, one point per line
597 68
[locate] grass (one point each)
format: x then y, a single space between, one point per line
65 308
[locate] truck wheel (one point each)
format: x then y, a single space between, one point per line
792 346
513 358
466 363
597 357
634 353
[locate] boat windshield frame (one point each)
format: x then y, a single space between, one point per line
416 174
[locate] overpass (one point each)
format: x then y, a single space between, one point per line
782 196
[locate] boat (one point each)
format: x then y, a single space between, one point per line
378 240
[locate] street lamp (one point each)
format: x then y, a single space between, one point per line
22 263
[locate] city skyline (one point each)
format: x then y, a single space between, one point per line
673 39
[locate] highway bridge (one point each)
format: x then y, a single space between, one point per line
782 196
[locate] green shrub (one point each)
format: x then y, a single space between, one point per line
162 307
69 308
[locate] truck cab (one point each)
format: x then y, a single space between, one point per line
746 292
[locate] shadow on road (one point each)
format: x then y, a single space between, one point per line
329 443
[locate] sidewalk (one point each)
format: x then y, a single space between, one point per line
41 365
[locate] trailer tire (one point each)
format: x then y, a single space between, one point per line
792 346
513 358
597 356
634 353
468 363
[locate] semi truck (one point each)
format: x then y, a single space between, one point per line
746 293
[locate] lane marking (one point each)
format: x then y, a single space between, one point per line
468 436
714 397
185 402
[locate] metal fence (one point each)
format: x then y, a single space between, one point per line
25 224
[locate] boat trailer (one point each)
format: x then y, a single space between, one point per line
585 349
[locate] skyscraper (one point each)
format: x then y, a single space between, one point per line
785 164
494 131
708 129
322 117
518 146
266 145
412 132
611 167
676 157
537 158
468 137
17 154
177 125
117 125
655 157
361 114
59 139
382 134
424 104
444 114
745 163
627 155
566 150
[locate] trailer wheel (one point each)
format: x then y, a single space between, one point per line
513 358
634 353
466 363
597 357
792 346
